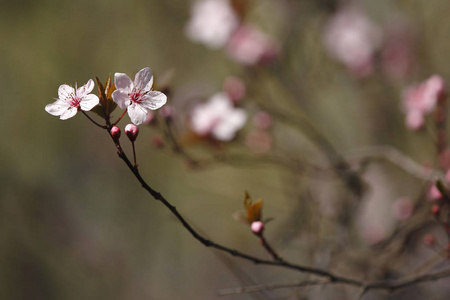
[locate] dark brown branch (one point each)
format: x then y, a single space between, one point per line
208 243
332 278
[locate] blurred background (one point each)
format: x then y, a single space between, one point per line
74 222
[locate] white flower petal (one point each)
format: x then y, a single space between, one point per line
137 113
237 118
89 101
86 89
223 132
123 82
154 100
121 98
143 78
64 91
56 108
149 85
69 113
230 124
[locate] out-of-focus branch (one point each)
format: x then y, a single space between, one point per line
390 286
268 287
394 156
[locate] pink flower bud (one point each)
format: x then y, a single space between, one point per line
262 120
435 209
434 194
234 87
115 133
402 208
257 227
131 131
429 239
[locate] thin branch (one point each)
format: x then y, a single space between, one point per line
332 278
208 243
92 120
269 249
395 157
268 287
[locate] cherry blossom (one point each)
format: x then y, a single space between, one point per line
351 38
218 118
249 46
71 99
137 97
421 99
212 22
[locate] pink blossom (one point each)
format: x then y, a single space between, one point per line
218 118
212 22
421 99
402 208
262 120
352 39
249 46
234 87
374 233
434 194
137 96
397 58
71 99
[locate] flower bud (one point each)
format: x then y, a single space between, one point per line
435 209
257 227
115 133
429 239
131 131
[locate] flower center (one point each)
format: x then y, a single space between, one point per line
75 101
136 96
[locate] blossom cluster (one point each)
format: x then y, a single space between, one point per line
137 97
216 24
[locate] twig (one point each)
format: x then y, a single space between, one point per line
273 286
92 120
269 249
332 278
395 157
208 243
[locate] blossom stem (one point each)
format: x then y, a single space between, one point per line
120 118
269 249
101 126
134 154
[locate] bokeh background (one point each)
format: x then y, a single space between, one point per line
74 223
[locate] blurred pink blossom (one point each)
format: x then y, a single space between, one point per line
374 233
218 118
397 59
262 120
421 99
402 208
249 46
352 39
234 87
211 23
433 193
444 159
